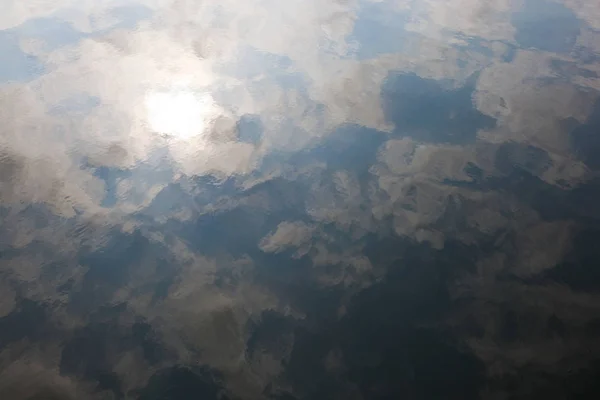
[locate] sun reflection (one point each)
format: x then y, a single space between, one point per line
180 114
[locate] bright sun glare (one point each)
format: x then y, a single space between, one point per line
180 114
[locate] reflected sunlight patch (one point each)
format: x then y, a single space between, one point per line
180 114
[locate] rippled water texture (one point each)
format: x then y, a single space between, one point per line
299 199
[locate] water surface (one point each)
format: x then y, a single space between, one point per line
300 199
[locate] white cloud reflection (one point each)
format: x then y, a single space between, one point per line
188 70
180 113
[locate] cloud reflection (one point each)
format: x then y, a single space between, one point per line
180 114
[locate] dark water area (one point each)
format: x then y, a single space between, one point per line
358 200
